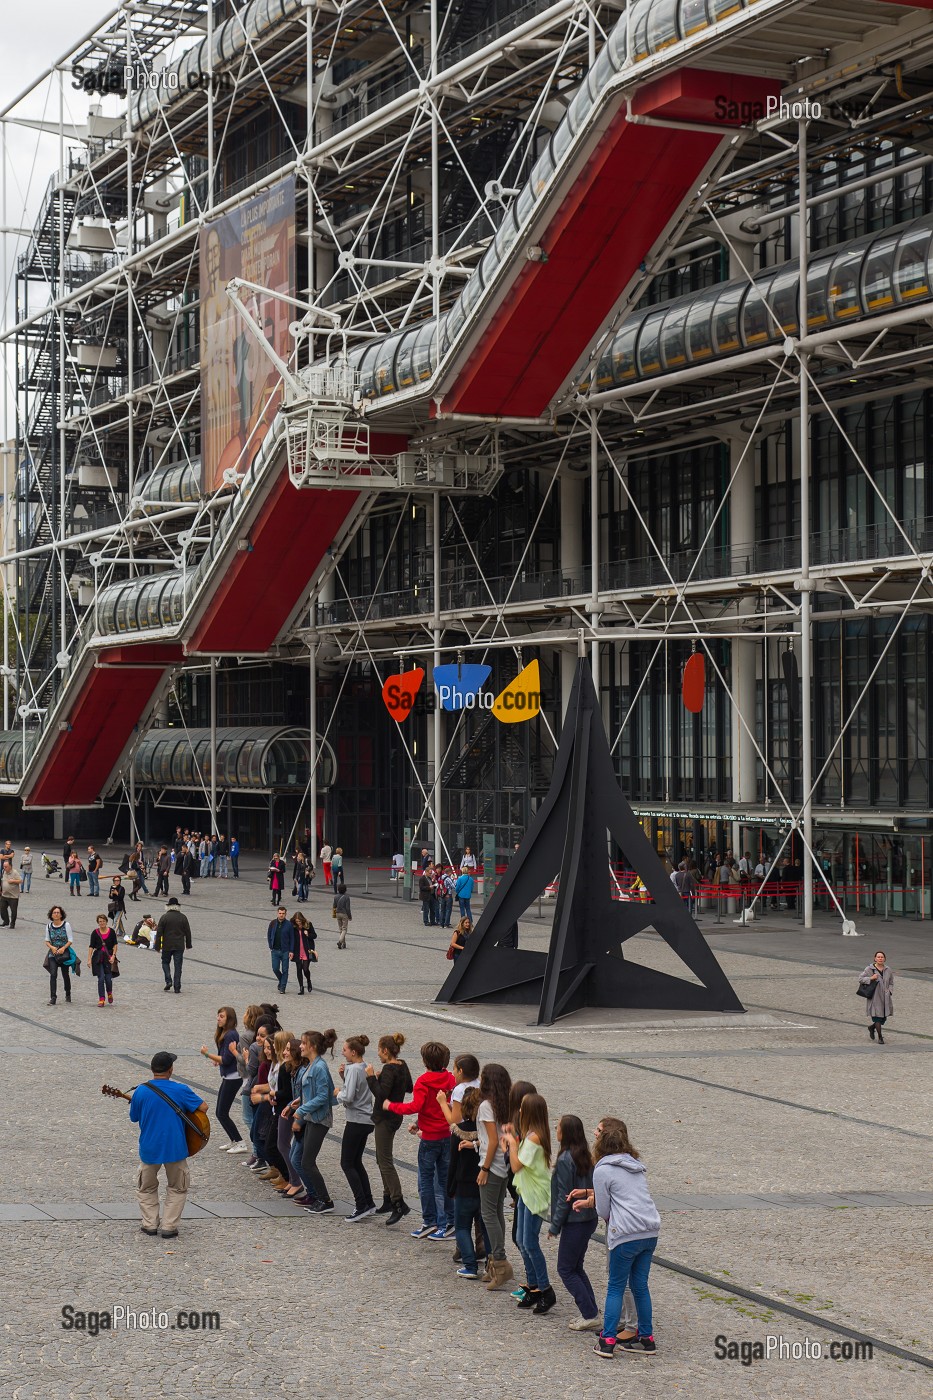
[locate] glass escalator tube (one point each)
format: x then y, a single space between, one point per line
663 25
367 369
817 294
757 324
726 313
673 334
694 16
699 335
425 355
648 355
405 358
639 30
844 300
877 289
384 366
785 298
913 264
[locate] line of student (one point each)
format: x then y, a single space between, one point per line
481 1137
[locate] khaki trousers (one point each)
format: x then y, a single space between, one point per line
178 1176
342 925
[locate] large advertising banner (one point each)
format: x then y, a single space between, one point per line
239 385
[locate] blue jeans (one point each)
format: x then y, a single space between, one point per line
205 867
571 1252
27 881
465 911
429 912
466 1215
93 884
235 862
280 967
223 867
294 1157
629 1264
249 1113
104 980
433 1162
444 910
526 1237
74 882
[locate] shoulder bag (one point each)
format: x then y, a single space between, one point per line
867 989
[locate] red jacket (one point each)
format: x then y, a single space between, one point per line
431 1121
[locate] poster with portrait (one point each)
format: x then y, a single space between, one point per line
240 387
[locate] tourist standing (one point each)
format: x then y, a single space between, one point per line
25 870
314 1116
94 864
235 857
573 1171
276 877
427 895
59 940
73 871
622 1199
224 1056
392 1082
434 1146
492 1178
530 1160
357 1100
464 892
162 1145
880 1005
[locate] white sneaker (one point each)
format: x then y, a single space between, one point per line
225 1146
237 1148
586 1324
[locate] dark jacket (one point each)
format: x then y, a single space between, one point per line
461 1174
305 940
342 905
287 931
165 864
101 946
566 1178
425 887
392 1083
173 932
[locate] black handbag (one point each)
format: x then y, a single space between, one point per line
867 989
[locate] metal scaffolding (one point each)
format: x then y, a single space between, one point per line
414 134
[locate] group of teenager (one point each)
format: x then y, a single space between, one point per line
440 885
482 1139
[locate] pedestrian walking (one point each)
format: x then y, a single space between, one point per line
356 1099
162 1145
163 870
280 936
327 852
276 877
226 1039
880 1005
9 894
342 913
336 867
102 959
392 1082
303 952
116 905
173 937
59 940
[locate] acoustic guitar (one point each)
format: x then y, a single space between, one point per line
196 1123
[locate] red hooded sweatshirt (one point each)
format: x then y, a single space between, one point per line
431 1121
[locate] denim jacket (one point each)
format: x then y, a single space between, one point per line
317 1095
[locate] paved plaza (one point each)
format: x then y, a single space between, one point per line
789 1157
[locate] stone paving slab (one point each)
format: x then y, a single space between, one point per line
227 1210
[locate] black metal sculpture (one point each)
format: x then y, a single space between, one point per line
585 965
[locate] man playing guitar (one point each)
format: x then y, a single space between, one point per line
162 1143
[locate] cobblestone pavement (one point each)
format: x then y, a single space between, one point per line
791 1168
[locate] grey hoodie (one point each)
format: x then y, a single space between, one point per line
356 1095
623 1199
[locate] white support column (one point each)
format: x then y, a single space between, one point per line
744 653
213 744
312 727
806 638
437 746
572 495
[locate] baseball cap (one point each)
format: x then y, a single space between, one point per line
161 1061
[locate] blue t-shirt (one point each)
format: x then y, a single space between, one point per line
161 1131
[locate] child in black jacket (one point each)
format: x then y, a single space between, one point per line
461 1184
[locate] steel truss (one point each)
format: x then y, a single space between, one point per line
409 129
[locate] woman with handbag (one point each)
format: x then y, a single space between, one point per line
61 953
877 981
102 959
303 954
459 939
276 877
116 905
